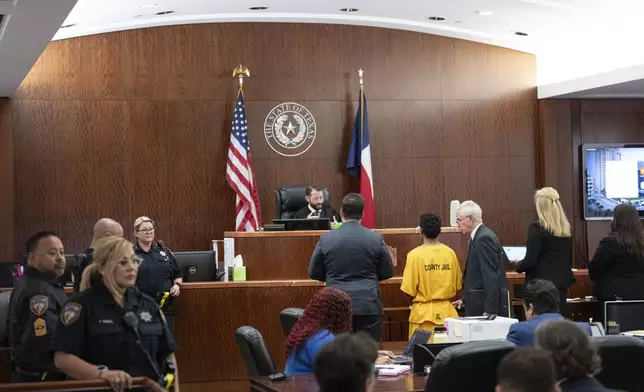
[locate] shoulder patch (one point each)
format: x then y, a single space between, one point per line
70 313
38 304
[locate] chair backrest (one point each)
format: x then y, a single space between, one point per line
288 318
622 362
254 352
478 360
290 199
5 296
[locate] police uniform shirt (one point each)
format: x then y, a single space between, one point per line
91 327
157 271
35 304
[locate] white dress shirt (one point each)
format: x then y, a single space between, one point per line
475 229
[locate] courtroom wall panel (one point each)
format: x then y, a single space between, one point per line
564 125
138 122
6 181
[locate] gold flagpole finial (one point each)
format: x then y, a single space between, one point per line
360 73
239 72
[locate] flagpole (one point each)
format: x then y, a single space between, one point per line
239 72
360 73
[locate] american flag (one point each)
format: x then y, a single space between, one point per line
239 172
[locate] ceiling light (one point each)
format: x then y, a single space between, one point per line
148 5
258 8
165 12
349 9
436 18
68 25
521 33
485 13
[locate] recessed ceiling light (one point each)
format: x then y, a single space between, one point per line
258 8
458 21
485 13
521 33
165 12
68 25
349 9
148 5
436 18
138 16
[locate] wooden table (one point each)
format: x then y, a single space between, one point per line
270 255
406 383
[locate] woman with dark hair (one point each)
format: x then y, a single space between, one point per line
617 269
328 314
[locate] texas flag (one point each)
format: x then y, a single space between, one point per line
359 161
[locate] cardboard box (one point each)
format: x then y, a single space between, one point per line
469 329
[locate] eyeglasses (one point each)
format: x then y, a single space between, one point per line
146 231
459 220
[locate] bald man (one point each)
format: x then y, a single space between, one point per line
105 227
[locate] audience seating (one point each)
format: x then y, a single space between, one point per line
290 199
468 367
622 362
254 352
288 318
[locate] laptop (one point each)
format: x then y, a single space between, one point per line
420 336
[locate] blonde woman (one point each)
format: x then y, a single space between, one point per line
549 245
100 328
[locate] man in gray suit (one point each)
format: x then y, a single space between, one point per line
354 259
485 285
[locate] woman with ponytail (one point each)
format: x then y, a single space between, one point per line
549 245
99 327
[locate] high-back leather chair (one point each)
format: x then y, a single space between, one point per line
622 362
288 318
254 352
5 296
468 367
290 199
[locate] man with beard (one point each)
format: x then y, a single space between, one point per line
315 209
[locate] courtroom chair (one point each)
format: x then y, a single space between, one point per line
622 362
290 199
468 367
254 352
288 318
5 296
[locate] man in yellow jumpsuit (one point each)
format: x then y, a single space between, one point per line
432 277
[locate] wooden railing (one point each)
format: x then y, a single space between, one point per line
73 386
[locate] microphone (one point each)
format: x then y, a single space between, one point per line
131 321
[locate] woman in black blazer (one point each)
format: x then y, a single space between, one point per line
549 245
617 269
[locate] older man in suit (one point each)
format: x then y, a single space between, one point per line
354 259
485 286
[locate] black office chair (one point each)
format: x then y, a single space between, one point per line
622 362
5 296
477 360
290 199
288 318
254 352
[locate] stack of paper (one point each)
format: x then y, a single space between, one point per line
392 370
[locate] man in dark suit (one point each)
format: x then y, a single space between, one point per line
354 259
315 209
541 303
485 286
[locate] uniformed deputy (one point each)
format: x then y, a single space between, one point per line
96 337
431 278
159 274
103 228
35 304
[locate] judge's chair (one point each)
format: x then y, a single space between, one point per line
290 199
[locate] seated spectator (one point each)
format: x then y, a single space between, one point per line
575 358
541 303
347 364
526 370
328 314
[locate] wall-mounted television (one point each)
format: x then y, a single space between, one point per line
613 174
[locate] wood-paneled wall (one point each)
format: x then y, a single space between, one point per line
564 125
137 123
6 181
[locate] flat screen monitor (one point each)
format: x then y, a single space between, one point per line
67 279
629 315
197 266
612 174
420 336
304 224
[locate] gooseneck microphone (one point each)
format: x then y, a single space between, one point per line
131 321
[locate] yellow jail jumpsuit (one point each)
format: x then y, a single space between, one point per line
432 278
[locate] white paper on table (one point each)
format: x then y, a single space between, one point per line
229 256
515 253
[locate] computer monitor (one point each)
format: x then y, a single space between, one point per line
420 336
304 224
197 266
629 315
67 279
